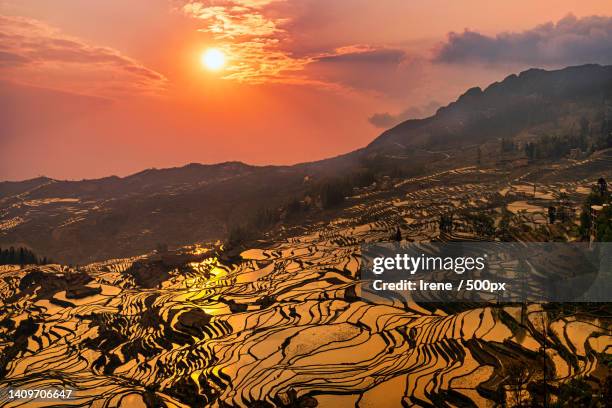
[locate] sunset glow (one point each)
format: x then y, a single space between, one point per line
213 59
220 74
305 203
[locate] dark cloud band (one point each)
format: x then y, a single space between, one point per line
571 40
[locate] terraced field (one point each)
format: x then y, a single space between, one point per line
283 324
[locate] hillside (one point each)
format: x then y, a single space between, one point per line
288 322
83 221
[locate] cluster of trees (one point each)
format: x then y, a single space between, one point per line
295 206
557 146
446 222
504 229
575 393
255 225
580 393
554 147
483 224
605 137
21 256
600 223
327 194
333 191
507 145
560 213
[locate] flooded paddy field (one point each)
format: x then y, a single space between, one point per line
281 323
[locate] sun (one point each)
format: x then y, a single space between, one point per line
213 59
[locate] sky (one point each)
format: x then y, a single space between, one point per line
99 88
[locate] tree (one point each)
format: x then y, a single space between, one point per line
576 393
603 225
585 222
552 214
20 256
517 378
294 206
333 193
398 235
530 151
483 224
507 145
446 222
503 229
584 126
603 186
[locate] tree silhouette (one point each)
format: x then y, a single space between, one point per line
20 256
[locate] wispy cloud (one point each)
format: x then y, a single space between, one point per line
571 40
38 54
364 54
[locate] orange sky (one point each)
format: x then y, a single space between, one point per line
95 88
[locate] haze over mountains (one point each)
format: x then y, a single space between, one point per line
88 220
536 101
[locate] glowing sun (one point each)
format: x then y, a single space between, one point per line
213 59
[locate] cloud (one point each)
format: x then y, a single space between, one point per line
33 52
387 120
371 69
364 54
570 41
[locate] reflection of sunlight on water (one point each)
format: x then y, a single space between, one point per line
204 273
215 309
199 249
218 272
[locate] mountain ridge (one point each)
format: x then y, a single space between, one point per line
516 94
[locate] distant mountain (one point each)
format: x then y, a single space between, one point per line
9 188
83 221
88 220
535 100
147 181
